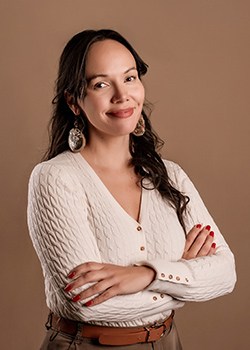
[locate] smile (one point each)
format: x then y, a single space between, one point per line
122 113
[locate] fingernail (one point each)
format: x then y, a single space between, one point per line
211 233
213 245
72 274
68 288
76 298
208 227
198 226
89 303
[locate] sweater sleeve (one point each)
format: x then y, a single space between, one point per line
202 278
62 238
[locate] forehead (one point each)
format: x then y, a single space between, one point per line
108 56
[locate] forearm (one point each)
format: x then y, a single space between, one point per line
202 273
198 279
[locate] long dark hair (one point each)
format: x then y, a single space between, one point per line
144 149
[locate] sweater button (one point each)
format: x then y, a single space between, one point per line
142 249
155 298
177 278
162 295
170 277
163 275
139 228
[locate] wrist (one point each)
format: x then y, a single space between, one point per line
150 272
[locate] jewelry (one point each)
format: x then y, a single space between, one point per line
140 127
76 139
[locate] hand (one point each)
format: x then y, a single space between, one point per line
111 280
199 242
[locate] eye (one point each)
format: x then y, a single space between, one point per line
131 78
100 85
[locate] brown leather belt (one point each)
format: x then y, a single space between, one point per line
113 335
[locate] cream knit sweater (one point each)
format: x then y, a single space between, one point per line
73 218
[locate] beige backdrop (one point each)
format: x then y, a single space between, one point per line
198 53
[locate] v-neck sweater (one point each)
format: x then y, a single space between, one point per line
73 218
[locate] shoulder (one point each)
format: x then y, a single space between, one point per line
173 169
178 177
60 169
171 166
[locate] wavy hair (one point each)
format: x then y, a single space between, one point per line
144 149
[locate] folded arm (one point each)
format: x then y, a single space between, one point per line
112 280
195 278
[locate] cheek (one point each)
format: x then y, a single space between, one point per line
140 93
91 105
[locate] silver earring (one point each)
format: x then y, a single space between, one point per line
140 127
76 139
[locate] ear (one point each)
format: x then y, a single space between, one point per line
71 103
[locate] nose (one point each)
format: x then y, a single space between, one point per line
120 94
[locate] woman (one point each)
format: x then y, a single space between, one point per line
123 236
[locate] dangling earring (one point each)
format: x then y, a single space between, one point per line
76 139
140 127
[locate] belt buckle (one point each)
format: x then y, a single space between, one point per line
152 328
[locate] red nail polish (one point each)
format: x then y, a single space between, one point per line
198 226
211 233
72 274
89 303
68 288
213 245
208 227
76 298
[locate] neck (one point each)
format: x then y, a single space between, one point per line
112 153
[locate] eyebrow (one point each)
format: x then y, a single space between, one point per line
105 75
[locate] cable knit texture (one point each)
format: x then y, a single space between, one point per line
73 218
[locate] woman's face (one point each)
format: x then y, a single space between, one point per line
115 95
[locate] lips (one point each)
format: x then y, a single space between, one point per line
122 113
